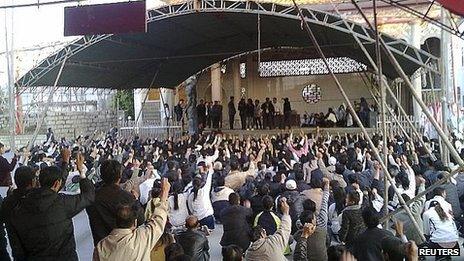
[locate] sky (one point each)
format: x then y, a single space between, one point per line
34 27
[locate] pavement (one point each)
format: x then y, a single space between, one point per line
84 241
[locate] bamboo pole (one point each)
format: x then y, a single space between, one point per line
405 78
355 116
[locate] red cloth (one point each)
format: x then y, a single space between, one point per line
455 6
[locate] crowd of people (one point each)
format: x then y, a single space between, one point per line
269 114
311 196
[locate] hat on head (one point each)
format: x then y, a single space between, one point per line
217 165
332 161
290 184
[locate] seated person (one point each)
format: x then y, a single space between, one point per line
194 241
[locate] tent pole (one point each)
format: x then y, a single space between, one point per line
390 92
355 116
9 53
405 78
145 99
444 60
383 100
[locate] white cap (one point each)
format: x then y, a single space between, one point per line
290 184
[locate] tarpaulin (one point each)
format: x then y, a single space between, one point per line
455 6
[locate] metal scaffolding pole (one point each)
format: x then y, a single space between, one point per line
10 72
444 66
146 96
392 114
45 109
390 92
383 101
405 78
356 118
446 176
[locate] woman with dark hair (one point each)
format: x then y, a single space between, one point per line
335 212
178 211
199 199
439 225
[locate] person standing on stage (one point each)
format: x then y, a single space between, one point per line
208 117
179 112
276 122
257 115
6 168
267 111
216 112
242 108
232 112
166 114
250 109
201 114
287 113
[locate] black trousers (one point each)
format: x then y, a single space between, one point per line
258 123
243 120
215 120
231 121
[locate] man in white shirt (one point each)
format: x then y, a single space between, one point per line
147 185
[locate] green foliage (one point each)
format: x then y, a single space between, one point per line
125 99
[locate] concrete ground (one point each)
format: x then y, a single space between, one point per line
84 241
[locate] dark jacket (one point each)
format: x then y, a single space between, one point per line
102 213
195 244
315 246
8 205
352 224
287 107
216 111
256 203
268 108
242 108
231 107
3 242
5 170
201 111
268 220
235 220
371 244
43 222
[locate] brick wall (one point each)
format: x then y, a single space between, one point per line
72 124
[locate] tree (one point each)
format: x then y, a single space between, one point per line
125 100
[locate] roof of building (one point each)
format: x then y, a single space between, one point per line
182 40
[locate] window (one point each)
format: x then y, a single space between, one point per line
309 67
243 70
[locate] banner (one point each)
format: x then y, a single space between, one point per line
455 6
115 18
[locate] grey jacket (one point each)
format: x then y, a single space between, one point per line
272 247
416 209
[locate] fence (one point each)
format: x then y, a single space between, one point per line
393 125
152 129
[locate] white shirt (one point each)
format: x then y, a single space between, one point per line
177 216
209 159
146 187
439 231
334 218
443 203
201 207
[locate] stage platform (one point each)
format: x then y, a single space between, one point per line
333 131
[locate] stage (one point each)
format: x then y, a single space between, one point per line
332 131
